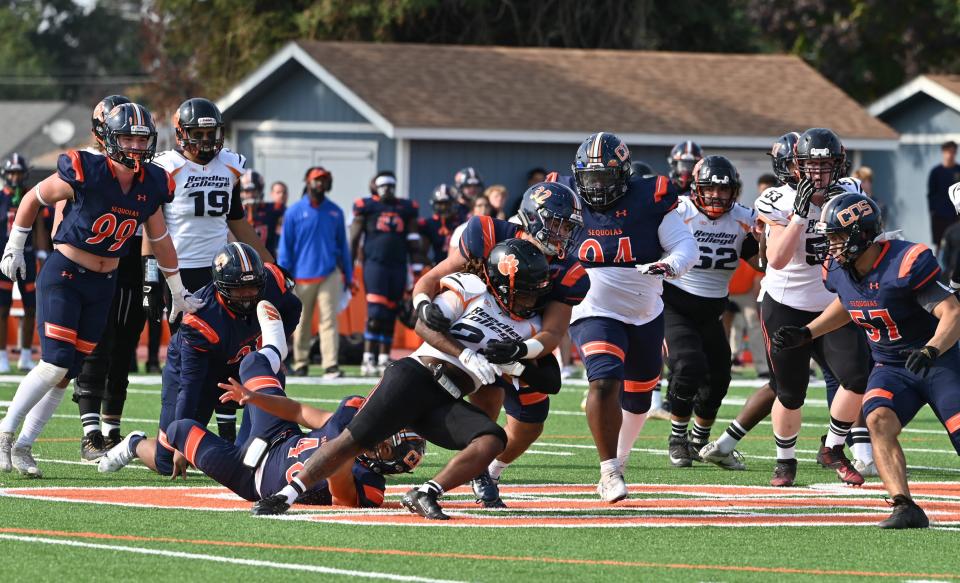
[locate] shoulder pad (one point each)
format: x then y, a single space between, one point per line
466 285
851 184
169 160
743 214
685 208
231 158
775 205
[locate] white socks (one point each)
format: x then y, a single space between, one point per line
32 388
496 468
629 430
608 467
39 417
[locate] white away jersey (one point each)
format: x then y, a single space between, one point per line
720 242
197 217
800 283
477 319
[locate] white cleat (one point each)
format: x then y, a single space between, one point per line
23 462
866 469
6 444
119 455
369 369
612 488
729 461
26 361
271 327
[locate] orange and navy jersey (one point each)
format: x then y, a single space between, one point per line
569 279
386 225
8 210
437 231
888 301
287 458
265 218
210 344
101 218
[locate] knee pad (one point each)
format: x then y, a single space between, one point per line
635 402
790 401
381 327
88 386
680 405
50 373
116 390
687 374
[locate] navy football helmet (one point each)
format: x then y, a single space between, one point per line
468 183
518 275
99 116
641 168
199 127
129 119
851 221
236 266
551 213
442 200
601 170
715 171
399 454
683 157
15 171
251 187
819 152
781 155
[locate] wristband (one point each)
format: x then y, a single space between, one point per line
534 348
175 284
420 298
18 237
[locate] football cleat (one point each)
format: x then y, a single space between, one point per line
784 474
118 456
25 362
711 453
834 458
695 447
679 452
23 462
612 488
423 504
332 373
271 506
6 444
487 491
906 514
369 369
866 469
112 439
92 447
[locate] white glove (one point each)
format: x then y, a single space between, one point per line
954 193
478 365
13 264
513 369
183 301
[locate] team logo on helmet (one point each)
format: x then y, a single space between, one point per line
541 194
221 261
854 212
508 265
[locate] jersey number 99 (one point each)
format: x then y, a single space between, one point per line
107 226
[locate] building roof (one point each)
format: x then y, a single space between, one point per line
943 88
22 119
550 94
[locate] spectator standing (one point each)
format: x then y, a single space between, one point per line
481 208
314 249
942 212
497 195
534 176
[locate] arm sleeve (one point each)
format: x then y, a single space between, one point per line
750 247
931 296
236 205
542 376
679 244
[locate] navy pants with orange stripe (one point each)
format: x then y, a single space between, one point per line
612 349
897 388
72 312
384 285
28 285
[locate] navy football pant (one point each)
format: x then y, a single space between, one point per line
384 285
611 349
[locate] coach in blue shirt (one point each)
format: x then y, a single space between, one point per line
314 249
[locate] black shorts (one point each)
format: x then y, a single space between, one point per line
844 352
407 397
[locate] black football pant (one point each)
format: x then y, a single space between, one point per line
698 352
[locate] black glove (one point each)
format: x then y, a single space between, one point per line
801 204
431 315
271 505
919 360
788 337
152 289
502 352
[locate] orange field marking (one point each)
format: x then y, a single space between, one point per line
475 557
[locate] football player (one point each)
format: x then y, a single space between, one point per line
683 157
890 289
436 230
632 239
423 392
469 185
108 197
206 204
387 226
263 216
698 351
277 448
14 173
550 217
793 295
100 389
209 346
